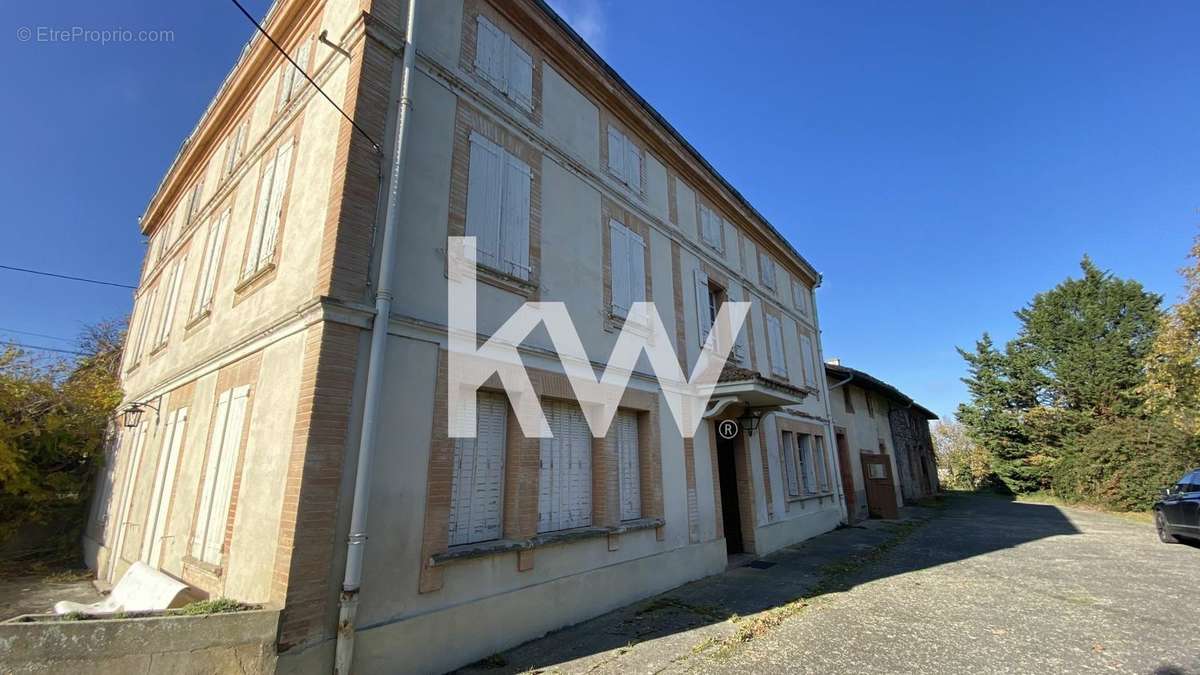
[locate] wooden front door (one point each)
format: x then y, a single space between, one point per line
847 471
881 490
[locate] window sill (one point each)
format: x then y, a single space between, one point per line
249 281
505 281
486 549
198 319
807 498
197 565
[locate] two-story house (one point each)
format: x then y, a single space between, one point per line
252 355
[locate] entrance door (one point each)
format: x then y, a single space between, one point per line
881 490
731 515
847 471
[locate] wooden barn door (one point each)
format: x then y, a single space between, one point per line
881 490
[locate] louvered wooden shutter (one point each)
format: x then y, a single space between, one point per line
619 255
298 79
616 153
768 270
164 484
788 449
565 495
211 464
477 487
806 353
260 216
489 52
806 463
704 319
170 300
822 463
283 163
629 467
484 186
218 474
633 166
514 232
775 337
636 254
520 76
132 468
208 272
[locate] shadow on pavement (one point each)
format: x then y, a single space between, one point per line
832 562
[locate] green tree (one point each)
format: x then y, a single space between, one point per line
963 465
53 420
1172 386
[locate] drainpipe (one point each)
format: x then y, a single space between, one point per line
357 539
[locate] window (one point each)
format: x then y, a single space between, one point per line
291 80
790 469
800 297
628 465
810 362
624 159
207 279
216 490
147 309
477 486
502 63
710 228
848 400
132 467
234 148
498 207
775 344
170 299
265 230
870 405
822 463
807 470
706 305
876 471
565 490
628 270
164 484
193 205
767 265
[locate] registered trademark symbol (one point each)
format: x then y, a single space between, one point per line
728 429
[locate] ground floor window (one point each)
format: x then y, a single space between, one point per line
629 464
216 491
790 465
565 485
477 485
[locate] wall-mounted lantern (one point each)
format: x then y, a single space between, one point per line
132 414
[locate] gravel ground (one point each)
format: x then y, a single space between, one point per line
980 584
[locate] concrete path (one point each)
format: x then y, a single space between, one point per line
980 584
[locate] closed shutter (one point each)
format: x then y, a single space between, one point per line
616 153
741 351
806 463
489 52
704 318
477 487
164 487
283 162
260 216
514 232
636 253
520 76
565 494
619 255
800 297
768 270
298 79
788 449
629 466
822 463
127 491
217 491
710 227
208 272
147 317
485 184
633 166
169 301
775 337
810 366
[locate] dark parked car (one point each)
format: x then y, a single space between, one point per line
1177 514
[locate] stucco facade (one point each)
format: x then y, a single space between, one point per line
277 344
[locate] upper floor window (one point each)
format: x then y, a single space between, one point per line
627 252
265 230
767 265
145 308
477 481
291 79
709 298
235 146
775 343
498 203
624 159
848 400
502 63
170 299
710 228
870 404
206 280
801 297
809 360
194 202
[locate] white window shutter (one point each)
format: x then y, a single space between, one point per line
514 233
633 166
485 175
806 468
477 485
164 485
788 448
616 153
223 485
806 353
822 463
629 467
565 492
298 79
636 252
489 52
520 76
775 337
212 256
260 216
200 529
704 317
619 269
283 163
169 301
768 269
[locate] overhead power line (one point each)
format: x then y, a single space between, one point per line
66 276
44 349
32 334
310 80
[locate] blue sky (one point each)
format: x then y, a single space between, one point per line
938 162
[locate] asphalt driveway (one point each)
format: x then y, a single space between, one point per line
977 584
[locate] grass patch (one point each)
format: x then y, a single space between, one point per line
1049 499
214 606
665 602
68 576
